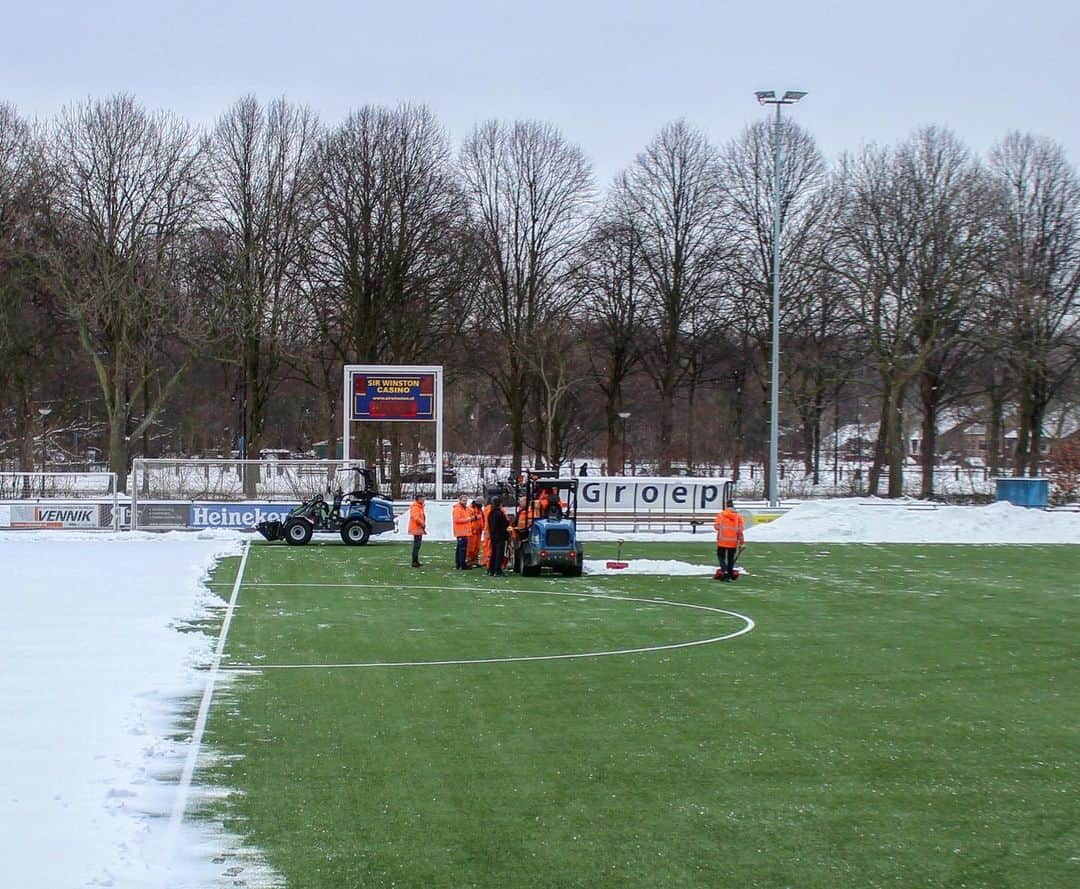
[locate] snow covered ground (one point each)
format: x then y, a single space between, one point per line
95 666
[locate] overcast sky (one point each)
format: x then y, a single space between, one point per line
610 74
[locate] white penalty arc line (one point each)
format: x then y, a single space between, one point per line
184 790
748 626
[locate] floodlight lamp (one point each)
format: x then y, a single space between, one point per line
763 96
794 95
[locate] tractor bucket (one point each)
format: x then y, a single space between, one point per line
271 530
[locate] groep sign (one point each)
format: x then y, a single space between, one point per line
652 495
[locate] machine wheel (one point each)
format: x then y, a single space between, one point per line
355 532
573 572
297 532
530 570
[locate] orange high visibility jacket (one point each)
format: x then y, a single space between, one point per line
462 521
729 529
417 519
476 521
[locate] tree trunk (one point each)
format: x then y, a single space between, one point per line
1023 429
395 463
894 442
819 410
808 441
994 444
517 432
878 462
665 424
118 455
24 425
928 454
690 424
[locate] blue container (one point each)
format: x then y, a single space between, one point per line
1034 492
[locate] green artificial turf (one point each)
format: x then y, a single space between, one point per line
901 716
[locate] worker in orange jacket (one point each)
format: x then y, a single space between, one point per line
476 530
729 538
494 504
462 529
417 527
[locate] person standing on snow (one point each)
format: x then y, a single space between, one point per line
417 527
729 537
462 529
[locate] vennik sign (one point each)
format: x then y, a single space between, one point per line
54 515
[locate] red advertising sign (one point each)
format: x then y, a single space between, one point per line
393 396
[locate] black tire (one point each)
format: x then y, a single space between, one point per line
355 532
573 572
530 570
517 559
297 532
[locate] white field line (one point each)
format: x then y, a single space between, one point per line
748 626
184 790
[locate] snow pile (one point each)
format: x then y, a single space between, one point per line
93 674
668 567
871 520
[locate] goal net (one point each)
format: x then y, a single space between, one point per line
57 485
237 480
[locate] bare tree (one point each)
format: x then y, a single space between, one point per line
389 279
28 321
671 193
1038 281
263 176
914 248
130 184
611 281
528 191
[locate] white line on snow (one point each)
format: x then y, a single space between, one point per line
183 792
749 625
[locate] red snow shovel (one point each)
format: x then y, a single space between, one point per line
618 563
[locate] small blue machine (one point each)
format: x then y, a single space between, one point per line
355 516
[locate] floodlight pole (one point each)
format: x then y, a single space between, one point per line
769 98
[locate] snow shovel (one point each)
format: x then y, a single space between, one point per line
618 563
735 572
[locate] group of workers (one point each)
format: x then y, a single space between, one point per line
480 530
487 529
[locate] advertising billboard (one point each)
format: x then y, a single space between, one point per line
652 495
55 515
238 516
393 396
